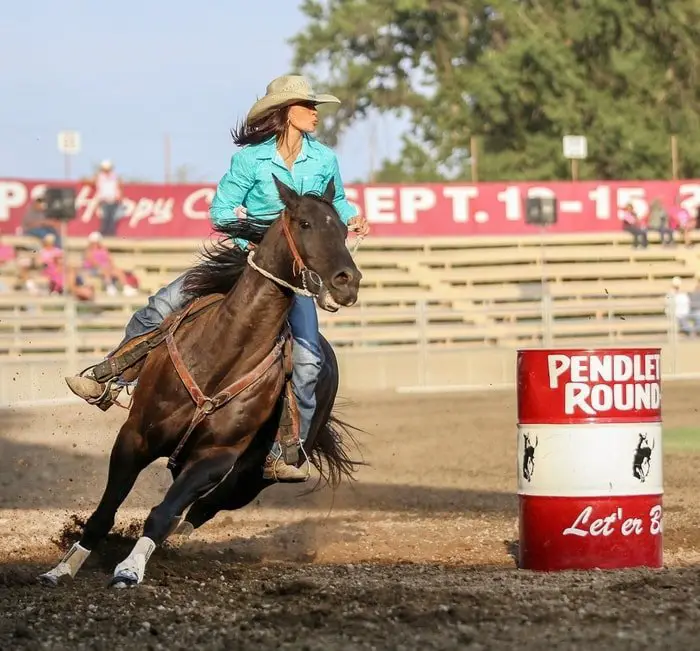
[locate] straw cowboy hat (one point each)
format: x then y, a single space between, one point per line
286 90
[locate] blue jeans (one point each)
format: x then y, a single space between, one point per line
110 210
42 231
306 349
308 360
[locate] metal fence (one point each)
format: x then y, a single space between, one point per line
428 345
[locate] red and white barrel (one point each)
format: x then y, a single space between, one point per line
590 475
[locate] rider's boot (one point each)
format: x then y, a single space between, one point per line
145 319
92 391
277 470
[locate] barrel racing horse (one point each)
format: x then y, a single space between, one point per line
213 398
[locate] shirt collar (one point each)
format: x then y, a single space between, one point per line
267 149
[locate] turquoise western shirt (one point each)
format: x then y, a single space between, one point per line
248 181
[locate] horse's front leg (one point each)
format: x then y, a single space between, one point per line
197 478
130 455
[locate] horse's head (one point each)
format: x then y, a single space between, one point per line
315 235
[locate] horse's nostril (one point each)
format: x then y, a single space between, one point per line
342 278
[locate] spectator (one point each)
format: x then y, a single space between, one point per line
7 252
659 221
36 224
109 196
56 274
634 224
678 306
48 251
7 258
694 307
98 262
684 222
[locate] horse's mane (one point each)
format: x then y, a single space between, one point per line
222 261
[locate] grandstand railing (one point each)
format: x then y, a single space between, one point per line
56 326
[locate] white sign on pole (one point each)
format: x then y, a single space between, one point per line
69 142
575 147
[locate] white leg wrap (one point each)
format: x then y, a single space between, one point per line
69 565
133 567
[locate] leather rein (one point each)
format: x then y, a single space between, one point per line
205 405
299 268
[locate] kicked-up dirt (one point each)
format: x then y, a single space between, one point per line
418 553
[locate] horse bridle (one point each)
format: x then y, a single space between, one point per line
299 267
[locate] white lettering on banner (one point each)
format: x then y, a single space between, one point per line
606 526
601 198
380 205
191 208
510 197
85 204
460 197
690 203
570 206
635 382
411 200
154 211
13 194
352 196
635 196
158 211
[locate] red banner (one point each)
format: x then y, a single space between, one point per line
393 210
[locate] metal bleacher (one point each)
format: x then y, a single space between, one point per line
471 291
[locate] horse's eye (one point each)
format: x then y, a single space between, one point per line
304 224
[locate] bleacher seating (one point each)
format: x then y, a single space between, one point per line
471 291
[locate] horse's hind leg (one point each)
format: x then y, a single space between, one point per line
225 497
195 480
128 458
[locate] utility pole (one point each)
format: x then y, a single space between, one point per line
167 158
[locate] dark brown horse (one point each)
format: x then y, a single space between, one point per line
233 352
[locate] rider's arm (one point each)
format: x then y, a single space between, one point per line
232 190
340 202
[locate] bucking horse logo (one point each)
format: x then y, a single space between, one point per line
642 458
529 456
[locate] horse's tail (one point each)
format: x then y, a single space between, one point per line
330 454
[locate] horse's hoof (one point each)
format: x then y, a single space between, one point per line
48 580
184 530
124 579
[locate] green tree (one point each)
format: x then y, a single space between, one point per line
517 75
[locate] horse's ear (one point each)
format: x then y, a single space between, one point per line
289 196
329 193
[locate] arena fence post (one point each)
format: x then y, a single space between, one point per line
590 471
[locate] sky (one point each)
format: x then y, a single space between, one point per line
126 73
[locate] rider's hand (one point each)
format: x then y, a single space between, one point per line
360 225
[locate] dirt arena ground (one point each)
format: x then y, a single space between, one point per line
419 553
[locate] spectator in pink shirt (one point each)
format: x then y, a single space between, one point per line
682 220
98 262
55 273
48 251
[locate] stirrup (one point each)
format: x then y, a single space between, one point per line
104 401
278 457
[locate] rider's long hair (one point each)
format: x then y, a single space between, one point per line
262 128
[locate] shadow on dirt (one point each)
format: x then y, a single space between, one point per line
39 476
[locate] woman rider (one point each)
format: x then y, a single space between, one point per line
274 139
